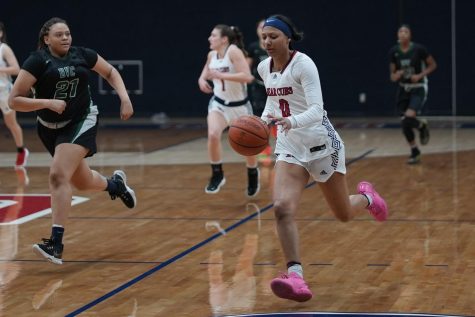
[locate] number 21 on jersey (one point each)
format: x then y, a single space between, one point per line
66 89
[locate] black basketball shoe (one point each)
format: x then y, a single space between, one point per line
50 250
216 181
424 135
415 157
124 192
253 184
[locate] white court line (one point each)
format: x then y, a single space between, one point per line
76 200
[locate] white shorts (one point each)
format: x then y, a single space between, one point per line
323 168
4 100
230 113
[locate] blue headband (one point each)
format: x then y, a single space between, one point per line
278 24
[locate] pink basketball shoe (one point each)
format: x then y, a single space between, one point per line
291 286
378 208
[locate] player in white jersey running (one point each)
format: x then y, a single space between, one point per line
9 67
307 145
226 66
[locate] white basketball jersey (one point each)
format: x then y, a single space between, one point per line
226 89
293 91
5 79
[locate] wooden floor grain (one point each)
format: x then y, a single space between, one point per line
178 259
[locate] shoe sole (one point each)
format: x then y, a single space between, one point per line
130 190
255 194
425 140
217 189
284 291
258 186
412 161
46 256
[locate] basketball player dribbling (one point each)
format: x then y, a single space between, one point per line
307 146
226 66
257 91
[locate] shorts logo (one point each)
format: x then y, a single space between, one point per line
318 148
17 209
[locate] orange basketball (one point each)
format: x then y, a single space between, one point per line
248 135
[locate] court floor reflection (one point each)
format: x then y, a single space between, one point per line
9 235
239 294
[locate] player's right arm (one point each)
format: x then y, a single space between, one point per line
19 99
394 74
202 81
268 109
12 67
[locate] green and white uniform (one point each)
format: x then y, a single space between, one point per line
65 78
410 95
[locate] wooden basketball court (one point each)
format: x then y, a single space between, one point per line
182 252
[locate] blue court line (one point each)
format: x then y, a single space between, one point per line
164 264
186 252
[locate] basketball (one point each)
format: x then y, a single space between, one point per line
248 135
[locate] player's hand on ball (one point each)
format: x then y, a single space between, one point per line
248 135
283 122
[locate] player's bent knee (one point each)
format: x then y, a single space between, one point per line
214 137
56 179
282 210
407 126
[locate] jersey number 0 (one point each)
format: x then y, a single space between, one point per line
284 107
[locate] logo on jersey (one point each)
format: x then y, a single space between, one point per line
68 71
283 91
222 69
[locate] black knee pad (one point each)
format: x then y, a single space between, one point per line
408 124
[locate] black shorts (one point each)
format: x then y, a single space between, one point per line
82 132
413 98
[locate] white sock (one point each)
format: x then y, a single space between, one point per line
370 199
296 268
